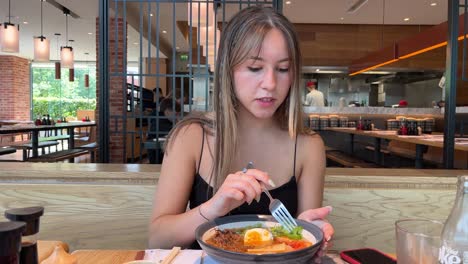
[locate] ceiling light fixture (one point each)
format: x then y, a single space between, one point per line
25 22
9 34
86 76
288 2
71 70
433 4
66 52
406 19
90 33
356 6
41 44
341 18
164 31
58 71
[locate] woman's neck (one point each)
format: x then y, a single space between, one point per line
248 123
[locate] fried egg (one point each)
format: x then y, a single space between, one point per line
258 237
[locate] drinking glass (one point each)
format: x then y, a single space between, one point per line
418 241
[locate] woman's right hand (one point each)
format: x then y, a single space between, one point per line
236 189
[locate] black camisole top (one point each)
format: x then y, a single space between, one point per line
286 193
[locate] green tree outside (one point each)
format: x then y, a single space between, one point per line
61 98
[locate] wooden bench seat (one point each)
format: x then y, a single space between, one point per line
28 146
382 150
348 161
60 155
5 151
52 138
91 147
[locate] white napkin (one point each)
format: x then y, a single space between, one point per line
186 256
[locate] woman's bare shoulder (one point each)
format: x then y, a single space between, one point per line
310 147
186 135
310 139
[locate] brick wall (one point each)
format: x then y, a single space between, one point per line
15 89
116 89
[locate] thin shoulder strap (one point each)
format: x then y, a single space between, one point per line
294 165
201 151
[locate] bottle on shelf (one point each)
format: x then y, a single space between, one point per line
44 120
454 239
38 121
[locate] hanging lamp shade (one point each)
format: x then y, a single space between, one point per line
57 63
71 74
41 45
9 37
58 71
66 57
86 80
41 49
202 13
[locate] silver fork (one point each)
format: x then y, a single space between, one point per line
277 208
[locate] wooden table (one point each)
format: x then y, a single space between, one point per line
46 247
378 135
121 256
70 126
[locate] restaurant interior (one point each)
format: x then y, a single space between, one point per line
92 88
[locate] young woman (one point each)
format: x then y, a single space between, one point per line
257 117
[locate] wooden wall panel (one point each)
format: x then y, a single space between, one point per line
338 45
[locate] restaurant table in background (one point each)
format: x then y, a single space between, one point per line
421 142
70 126
14 122
122 256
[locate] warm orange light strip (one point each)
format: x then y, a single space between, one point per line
373 67
424 50
428 48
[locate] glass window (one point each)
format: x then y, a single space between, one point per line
61 98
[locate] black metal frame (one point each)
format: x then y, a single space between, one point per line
105 118
451 79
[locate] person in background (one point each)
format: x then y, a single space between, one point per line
402 104
158 93
161 124
314 97
257 116
441 104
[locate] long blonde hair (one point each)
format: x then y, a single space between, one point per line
243 34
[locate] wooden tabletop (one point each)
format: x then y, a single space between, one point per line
107 256
32 127
409 139
46 247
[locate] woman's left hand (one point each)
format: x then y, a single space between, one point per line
317 217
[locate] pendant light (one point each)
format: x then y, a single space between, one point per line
58 71
41 45
9 34
86 76
71 74
66 52
71 70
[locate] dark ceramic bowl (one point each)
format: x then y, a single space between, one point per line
310 232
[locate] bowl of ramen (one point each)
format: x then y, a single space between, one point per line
258 238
